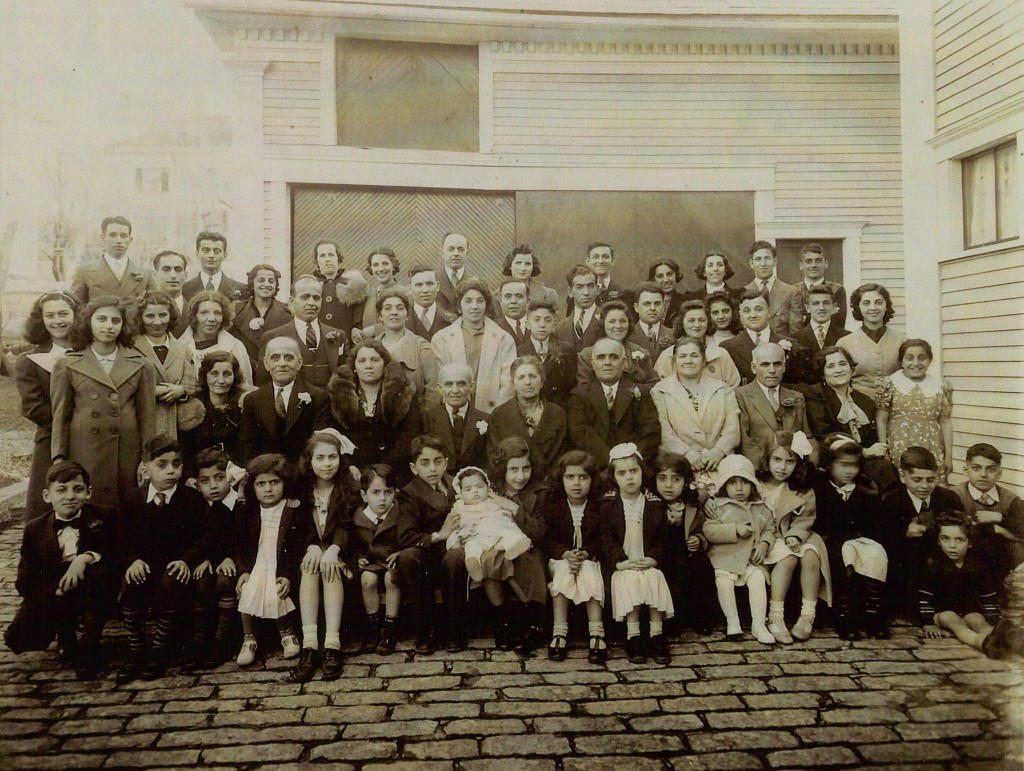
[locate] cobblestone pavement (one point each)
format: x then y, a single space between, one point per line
905 702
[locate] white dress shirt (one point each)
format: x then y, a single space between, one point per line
117 266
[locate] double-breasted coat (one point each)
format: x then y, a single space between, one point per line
32 376
178 368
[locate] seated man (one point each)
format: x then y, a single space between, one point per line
651 331
459 425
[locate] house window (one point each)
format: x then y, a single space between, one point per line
416 96
990 189
152 179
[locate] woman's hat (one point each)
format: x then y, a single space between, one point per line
735 466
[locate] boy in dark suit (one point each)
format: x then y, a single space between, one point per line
824 327
558 357
60 577
423 528
211 251
461 427
909 510
582 326
160 540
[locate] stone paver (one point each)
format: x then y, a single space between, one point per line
720 705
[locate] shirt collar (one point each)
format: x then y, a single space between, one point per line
768 392
512 322
108 357
819 282
649 328
286 391
976 494
168 494
918 502
455 275
538 346
583 315
612 388
461 412
216 278
118 261
757 336
300 327
230 499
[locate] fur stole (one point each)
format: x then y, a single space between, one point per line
395 398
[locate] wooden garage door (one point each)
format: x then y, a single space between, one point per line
409 222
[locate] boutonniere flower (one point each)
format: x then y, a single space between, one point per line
236 294
785 345
635 392
332 337
788 404
95 524
612 294
256 324
138 275
305 398
481 426
639 355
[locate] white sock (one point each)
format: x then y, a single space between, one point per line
656 627
595 628
777 612
807 609
727 599
758 598
560 629
632 629
332 640
309 635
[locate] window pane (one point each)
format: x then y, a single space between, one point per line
408 95
1007 180
979 200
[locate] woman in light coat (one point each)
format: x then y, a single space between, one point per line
211 316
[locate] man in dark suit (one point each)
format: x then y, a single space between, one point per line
559 358
582 327
427 317
281 415
754 315
600 258
651 332
595 426
344 294
113 273
461 427
824 326
512 304
787 311
211 251
170 268
813 264
320 345
767 407
454 250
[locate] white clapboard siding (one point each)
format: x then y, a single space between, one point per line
827 118
983 354
291 103
979 57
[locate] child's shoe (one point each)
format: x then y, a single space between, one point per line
877 629
290 646
659 649
558 649
386 644
503 629
598 650
130 669
332 664
733 630
247 654
305 669
846 630
777 629
802 628
635 650
371 633
760 631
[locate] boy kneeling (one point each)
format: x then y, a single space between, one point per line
60 577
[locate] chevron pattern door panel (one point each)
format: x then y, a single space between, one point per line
410 222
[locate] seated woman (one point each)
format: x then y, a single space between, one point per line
262 311
693 321
541 423
699 416
833 406
407 349
617 324
220 392
208 331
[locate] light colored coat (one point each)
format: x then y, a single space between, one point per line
726 550
717 425
497 352
417 359
102 421
177 369
93 279
225 342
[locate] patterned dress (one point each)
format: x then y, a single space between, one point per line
914 411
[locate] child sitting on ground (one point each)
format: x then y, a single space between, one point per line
741 532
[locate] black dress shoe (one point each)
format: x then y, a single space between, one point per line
128 671
532 639
332 664
89 664
386 646
425 643
635 650
306 667
558 652
659 649
597 654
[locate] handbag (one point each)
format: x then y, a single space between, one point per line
189 413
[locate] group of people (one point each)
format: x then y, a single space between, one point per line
208 455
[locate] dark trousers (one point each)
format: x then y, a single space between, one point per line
160 592
418 571
43 615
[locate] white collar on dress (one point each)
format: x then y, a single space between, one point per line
931 385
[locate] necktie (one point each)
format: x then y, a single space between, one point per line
986 500
764 286
458 428
519 328
652 335
925 507
694 399
609 396
819 333
310 337
542 351
773 399
159 499
209 285
161 352
846 490
63 523
279 407
579 326
422 313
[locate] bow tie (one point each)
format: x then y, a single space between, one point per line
845 490
62 523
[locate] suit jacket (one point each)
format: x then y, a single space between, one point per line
806 338
672 303
499 319
786 304
615 291
566 332
759 422
613 530
93 279
446 294
497 352
425 513
233 290
335 526
559 368
665 340
310 374
741 348
596 430
547 442
161 534
290 546
838 294
380 541
263 431
103 420
558 536
474 443
41 565
178 368
277 315
442 319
